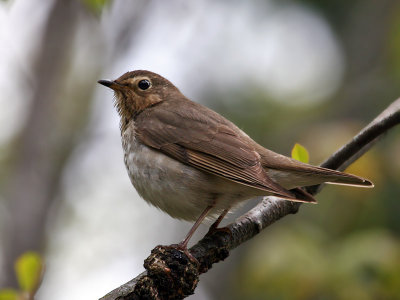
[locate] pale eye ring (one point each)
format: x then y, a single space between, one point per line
144 84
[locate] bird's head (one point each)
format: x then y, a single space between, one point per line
138 90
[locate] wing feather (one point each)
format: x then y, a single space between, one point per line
201 138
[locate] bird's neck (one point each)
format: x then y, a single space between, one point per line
123 125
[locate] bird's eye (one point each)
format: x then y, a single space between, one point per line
144 84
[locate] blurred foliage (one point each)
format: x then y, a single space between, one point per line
364 265
300 153
96 6
8 294
29 271
394 46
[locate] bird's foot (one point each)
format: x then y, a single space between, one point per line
182 247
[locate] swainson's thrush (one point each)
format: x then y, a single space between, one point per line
192 163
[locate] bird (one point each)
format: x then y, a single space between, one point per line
193 163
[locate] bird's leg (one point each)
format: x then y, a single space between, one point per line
183 245
214 226
217 221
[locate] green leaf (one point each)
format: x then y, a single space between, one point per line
28 269
300 153
8 294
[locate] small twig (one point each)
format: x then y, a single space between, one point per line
171 275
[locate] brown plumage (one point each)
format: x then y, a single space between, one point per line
187 139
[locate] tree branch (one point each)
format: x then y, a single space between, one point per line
171 275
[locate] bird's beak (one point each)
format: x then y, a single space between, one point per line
111 84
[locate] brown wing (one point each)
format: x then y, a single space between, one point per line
203 139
